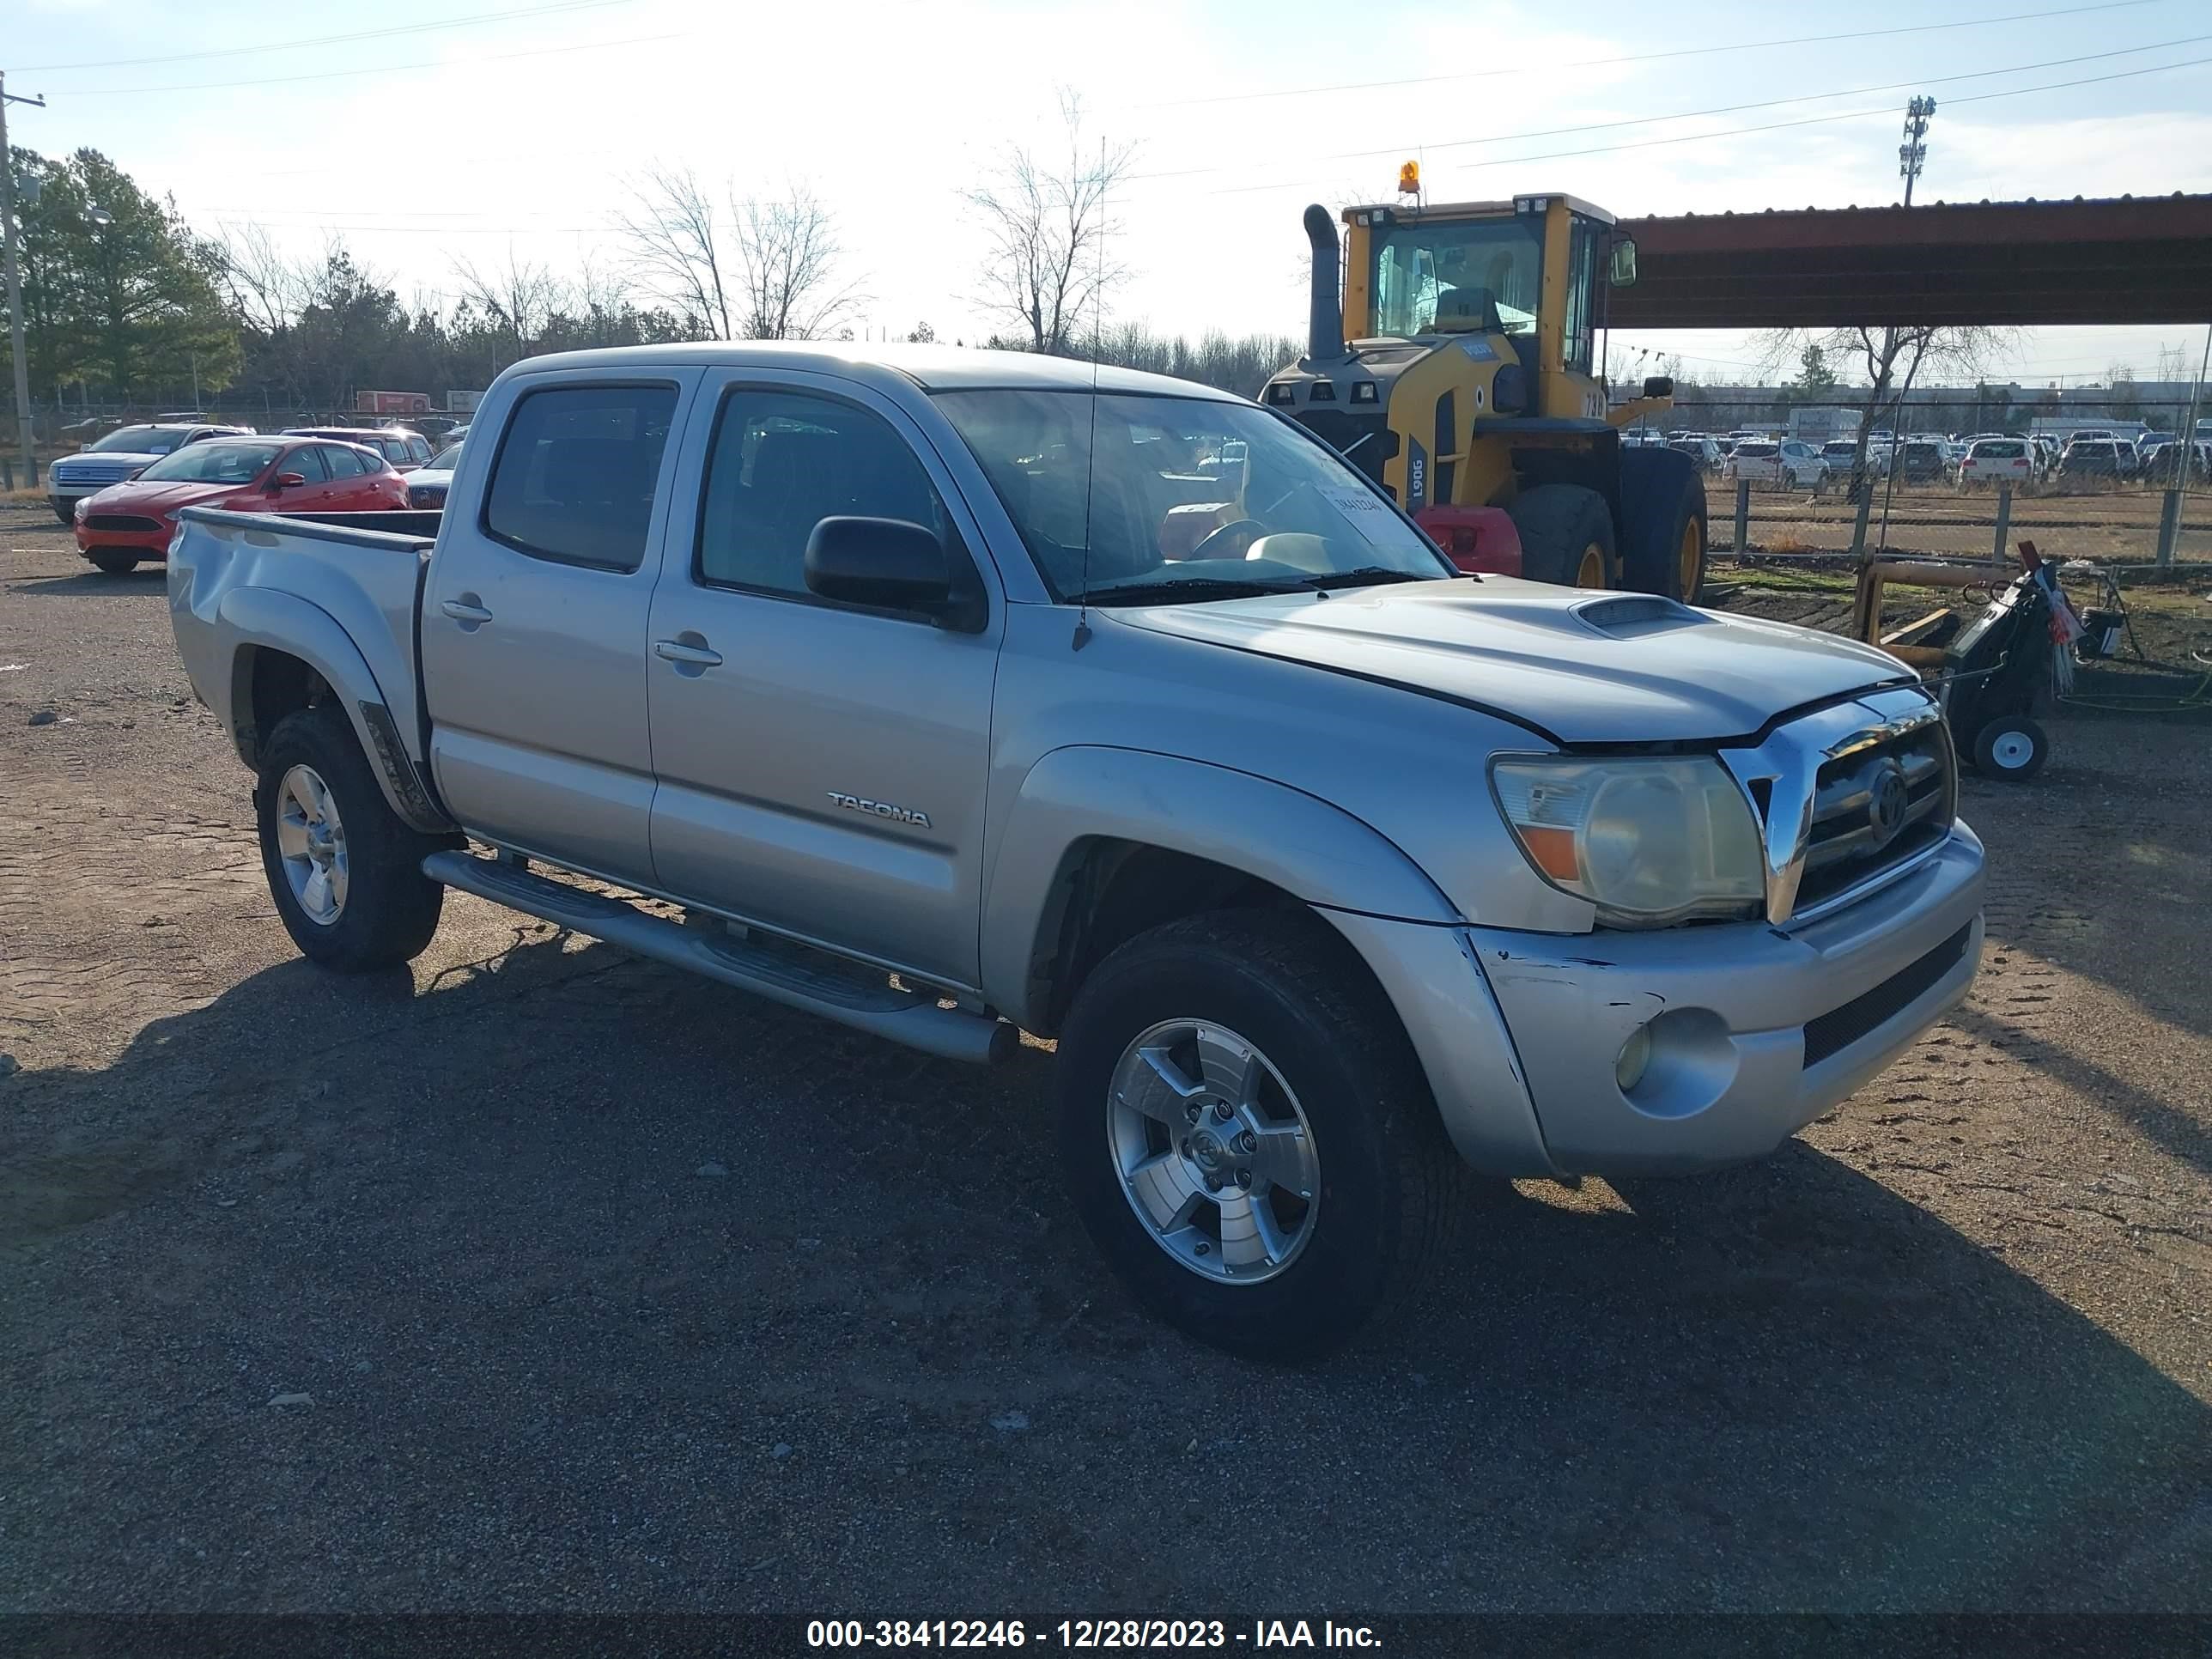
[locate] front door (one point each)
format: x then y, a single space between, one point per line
821 767
534 617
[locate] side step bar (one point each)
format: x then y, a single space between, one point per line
794 976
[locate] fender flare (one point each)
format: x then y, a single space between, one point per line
1316 852
265 618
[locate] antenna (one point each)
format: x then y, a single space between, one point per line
1090 451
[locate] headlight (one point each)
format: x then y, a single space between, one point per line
77 511
1648 841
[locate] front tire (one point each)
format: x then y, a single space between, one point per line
1662 511
344 869
1248 1137
113 564
1566 536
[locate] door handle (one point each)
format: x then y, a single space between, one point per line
685 654
466 610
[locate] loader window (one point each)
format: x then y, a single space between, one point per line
1581 331
1469 274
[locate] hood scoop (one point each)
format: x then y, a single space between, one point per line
1631 615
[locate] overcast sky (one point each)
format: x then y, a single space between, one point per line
424 130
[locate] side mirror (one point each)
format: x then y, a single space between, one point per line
286 481
892 564
1659 385
1622 272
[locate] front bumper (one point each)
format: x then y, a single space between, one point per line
145 544
1756 1029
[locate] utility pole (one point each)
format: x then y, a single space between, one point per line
1911 156
16 283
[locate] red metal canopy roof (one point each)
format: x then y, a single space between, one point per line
2124 260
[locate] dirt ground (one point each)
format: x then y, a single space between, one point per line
544 1279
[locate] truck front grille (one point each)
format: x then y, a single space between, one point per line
1875 809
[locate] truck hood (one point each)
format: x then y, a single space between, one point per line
1580 667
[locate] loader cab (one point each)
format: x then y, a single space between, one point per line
1531 268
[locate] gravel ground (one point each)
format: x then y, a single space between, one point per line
544 1279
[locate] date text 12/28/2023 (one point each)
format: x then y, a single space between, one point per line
1085 1633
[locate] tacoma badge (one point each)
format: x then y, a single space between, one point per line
882 809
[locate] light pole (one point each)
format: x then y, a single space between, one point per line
16 283
1914 150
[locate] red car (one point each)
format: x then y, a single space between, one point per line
127 523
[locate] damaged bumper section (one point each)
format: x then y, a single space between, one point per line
1693 1048
1681 1049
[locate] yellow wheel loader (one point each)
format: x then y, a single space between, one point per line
1455 370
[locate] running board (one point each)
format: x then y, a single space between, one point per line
794 976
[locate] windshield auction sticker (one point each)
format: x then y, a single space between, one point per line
1364 512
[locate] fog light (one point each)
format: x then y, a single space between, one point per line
1635 1055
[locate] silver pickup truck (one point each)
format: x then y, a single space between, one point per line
952 692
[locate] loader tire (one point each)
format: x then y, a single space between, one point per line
1566 536
1663 530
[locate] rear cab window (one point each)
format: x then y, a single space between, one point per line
575 472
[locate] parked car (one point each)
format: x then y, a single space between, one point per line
406 450
2097 458
1841 454
427 485
1700 449
1314 893
1923 460
1992 461
127 524
123 453
2162 462
1763 461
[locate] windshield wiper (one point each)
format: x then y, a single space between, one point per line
1368 575
1173 589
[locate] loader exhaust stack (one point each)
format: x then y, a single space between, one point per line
1325 320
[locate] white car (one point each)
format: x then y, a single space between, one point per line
1990 461
1763 460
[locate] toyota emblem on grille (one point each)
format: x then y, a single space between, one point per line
1886 803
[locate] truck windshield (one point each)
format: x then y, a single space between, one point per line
142 441
1191 498
1470 273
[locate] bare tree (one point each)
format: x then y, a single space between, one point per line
788 258
520 297
1049 222
266 291
1893 358
675 238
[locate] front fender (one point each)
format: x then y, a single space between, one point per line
254 619
1304 845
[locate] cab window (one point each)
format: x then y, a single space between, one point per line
575 475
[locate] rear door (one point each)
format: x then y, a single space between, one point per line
534 616
349 490
822 767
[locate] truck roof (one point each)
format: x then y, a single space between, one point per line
932 368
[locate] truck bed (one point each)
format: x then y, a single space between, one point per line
335 582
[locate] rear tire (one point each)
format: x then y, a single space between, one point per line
320 810
113 564
1663 512
1369 1191
1566 536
